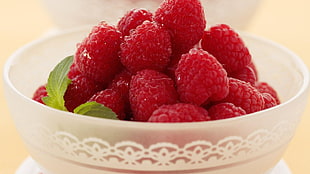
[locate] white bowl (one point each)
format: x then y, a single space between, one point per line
74 13
62 142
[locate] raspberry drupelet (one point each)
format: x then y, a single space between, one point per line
147 47
148 91
227 46
97 56
79 91
39 94
180 112
185 20
225 110
112 99
200 78
132 19
264 87
244 95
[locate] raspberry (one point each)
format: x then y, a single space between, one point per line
172 66
185 20
112 99
264 87
149 90
97 56
132 19
39 94
79 91
225 110
180 112
269 100
200 78
253 67
147 47
74 71
246 74
121 82
244 95
226 45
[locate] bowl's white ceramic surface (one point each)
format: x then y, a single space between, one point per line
74 13
63 142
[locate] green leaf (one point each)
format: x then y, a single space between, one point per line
96 110
57 84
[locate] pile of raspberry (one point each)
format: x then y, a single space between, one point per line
166 66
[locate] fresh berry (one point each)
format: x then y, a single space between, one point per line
253 67
180 112
132 19
147 47
225 110
246 74
121 82
227 46
172 66
79 91
269 100
264 87
39 94
244 95
74 71
200 78
112 99
149 90
164 67
97 56
185 20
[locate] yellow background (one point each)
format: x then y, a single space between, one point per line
284 21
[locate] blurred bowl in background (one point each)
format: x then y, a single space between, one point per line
62 142
74 13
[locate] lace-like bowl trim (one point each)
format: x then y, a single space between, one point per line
164 155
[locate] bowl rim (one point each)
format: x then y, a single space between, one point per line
304 71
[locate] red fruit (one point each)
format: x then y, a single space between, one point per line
112 99
244 95
200 78
180 112
132 19
253 67
147 47
269 101
148 91
79 91
264 87
39 94
173 64
97 56
184 19
227 46
74 71
246 74
225 110
121 83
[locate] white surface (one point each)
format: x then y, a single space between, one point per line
281 168
29 166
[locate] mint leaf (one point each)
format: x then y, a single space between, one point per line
96 110
57 84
